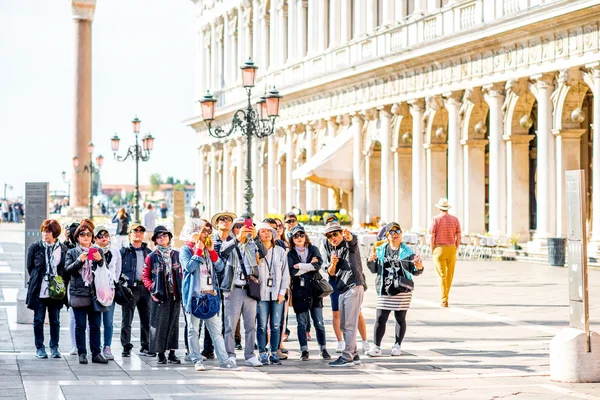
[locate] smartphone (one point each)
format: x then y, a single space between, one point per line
208 241
248 223
91 253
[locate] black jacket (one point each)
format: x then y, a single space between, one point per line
36 268
349 270
303 298
122 224
73 266
129 260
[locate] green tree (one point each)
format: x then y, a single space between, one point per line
155 182
186 182
170 180
116 199
177 182
179 187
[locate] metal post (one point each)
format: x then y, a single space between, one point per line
91 172
249 132
137 180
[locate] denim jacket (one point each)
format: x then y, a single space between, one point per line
191 265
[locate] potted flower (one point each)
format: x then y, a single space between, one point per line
514 241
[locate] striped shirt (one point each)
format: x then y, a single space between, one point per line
445 228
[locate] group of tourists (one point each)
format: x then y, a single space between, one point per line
12 211
229 268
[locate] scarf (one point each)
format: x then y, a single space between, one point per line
52 253
86 269
165 253
302 252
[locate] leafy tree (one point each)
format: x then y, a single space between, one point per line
155 182
179 187
116 199
177 182
186 182
170 180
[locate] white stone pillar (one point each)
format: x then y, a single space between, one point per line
334 22
274 35
301 9
213 59
200 85
310 187
242 40
345 21
322 31
288 171
219 64
418 167
227 186
272 184
360 16
388 12
358 191
200 171
256 33
595 75
455 155
246 50
474 186
437 176
420 7
226 51
386 166
371 15
517 193
546 161
265 22
403 186
497 160
313 23
292 31
214 187
367 185
281 33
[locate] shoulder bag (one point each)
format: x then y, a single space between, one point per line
252 282
206 305
320 287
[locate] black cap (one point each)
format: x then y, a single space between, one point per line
296 229
161 229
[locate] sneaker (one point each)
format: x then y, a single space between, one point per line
187 357
286 337
340 363
264 359
173 359
146 353
99 359
73 351
108 353
83 359
208 355
281 355
357 360
305 355
55 353
199 366
340 347
41 353
374 351
274 360
308 337
127 351
365 346
325 355
230 364
161 358
238 346
253 362
396 350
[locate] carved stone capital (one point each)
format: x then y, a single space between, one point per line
417 106
544 81
453 99
83 9
494 90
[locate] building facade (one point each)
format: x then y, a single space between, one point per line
390 105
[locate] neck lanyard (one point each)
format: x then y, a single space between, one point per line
270 265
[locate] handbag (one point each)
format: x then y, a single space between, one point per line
57 288
206 305
252 282
123 294
80 301
320 287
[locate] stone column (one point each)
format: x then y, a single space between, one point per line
436 175
227 186
214 57
358 191
417 108
272 188
292 41
200 171
242 39
474 186
265 22
403 186
595 87
282 30
322 26
310 187
517 165
546 167
219 63
455 155
313 38
367 185
213 209
274 35
83 15
334 22
371 15
246 50
226 43
420 8
288 169
497 160
256 33
359 18
389 11
568 157
301 7
386 166
345 21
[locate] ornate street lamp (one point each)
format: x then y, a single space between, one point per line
90 168
137 153
251 122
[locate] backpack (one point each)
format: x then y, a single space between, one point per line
105 294
57 288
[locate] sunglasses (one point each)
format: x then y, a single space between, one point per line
162 235
238 226
291 221
103 235
395 232
207 231
332 234
279 226
224 219
138 231
85 234
298 235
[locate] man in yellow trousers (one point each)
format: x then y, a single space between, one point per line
445 239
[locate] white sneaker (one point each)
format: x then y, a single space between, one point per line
396 350
253 362
73 351
230 365
108 353
340 347
199 366
365 346
374 351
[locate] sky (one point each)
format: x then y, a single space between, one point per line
143 63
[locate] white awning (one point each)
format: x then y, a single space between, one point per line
331 166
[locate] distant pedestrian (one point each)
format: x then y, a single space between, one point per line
149 222
122 219
163 210
5 210
395 265
45 263
195 211
445 239
17 212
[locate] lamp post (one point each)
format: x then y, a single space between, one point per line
68 182
250 122
90 169
137 153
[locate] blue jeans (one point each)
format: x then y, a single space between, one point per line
317 316
268 311
215 330
107 323
94 318
38 323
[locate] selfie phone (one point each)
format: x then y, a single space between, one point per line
248 223
91 253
